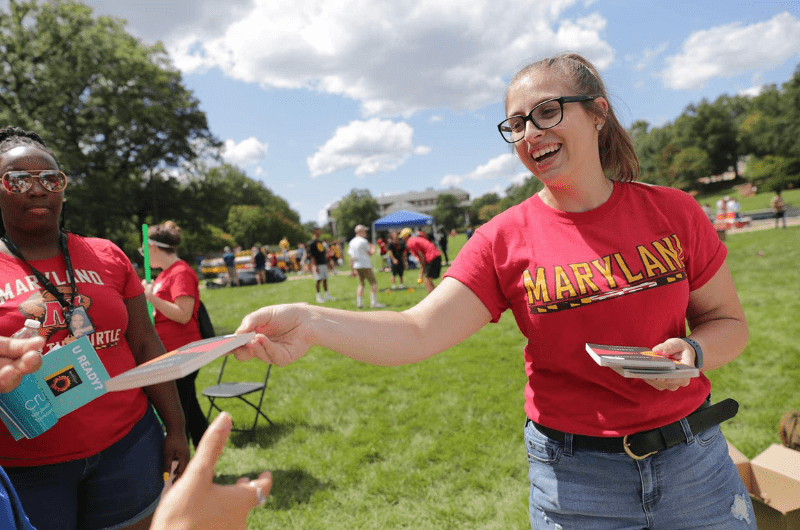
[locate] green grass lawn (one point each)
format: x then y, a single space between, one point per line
438 445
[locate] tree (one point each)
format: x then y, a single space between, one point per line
113 109
687 166
517 193
488 211
357 208
212 192
448 212
712 127
652 150
251 224
478 204
773 172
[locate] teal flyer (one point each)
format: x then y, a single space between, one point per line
72 376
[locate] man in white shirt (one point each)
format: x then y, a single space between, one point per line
361 252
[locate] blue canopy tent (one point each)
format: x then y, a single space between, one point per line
401 219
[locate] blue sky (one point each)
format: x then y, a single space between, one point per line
317 97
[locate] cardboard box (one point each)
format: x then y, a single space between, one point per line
773 480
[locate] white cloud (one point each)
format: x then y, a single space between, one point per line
393 57
245 152
322 215
367 147
731 50
153 21
505 165
422 150
753 91
435 118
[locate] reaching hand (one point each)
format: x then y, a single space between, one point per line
18 357
195 502
282 334
679 351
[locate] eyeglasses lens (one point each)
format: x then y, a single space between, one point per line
21 181
545 116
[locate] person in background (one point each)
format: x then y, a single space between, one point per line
259 264
318 255
592 257
361 253
733 206
101 465
396 250
284 245
175 297
442 240
229 258
722 207
302 258
430 259
193 503
779 207
386 262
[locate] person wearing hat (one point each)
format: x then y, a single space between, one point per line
361 253
430 259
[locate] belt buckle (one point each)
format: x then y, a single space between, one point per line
627 447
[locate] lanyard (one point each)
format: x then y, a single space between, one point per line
67 307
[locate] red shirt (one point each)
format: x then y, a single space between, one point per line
177 280
105 279
619 274
420 245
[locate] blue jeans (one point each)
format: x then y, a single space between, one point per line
111 489
693 485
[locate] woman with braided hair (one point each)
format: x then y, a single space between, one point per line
102 465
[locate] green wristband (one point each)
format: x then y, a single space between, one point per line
698 351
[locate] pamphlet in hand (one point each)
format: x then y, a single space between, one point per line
70 377
73 375
177 363
638 362
681 371
629 357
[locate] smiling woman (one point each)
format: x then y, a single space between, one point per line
593 257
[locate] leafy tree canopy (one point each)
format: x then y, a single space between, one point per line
359 207
113 109
448 212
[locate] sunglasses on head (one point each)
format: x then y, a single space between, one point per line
52 180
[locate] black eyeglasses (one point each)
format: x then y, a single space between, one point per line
545 115
21 181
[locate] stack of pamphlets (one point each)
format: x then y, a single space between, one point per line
638 362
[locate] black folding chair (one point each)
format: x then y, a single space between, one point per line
238 390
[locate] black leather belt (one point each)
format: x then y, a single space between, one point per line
643 444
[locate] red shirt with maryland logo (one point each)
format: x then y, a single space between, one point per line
105 279
619 274
177 280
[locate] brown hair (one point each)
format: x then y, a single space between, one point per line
167 233
617 156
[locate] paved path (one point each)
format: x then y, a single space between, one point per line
764 224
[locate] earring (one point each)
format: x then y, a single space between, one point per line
599 126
